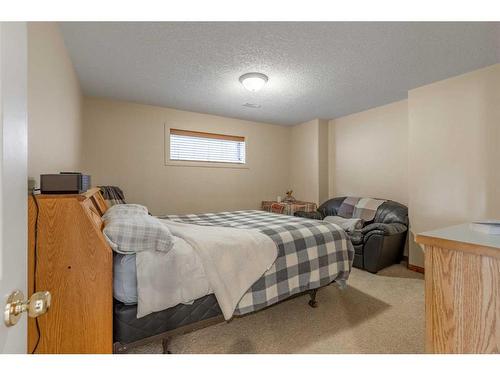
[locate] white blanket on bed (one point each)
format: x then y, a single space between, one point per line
233 259
164 280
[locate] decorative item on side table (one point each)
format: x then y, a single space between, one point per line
289 197
288 206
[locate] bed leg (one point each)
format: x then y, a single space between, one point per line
119 348
312 302
164 344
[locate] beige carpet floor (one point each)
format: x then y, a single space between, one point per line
382 313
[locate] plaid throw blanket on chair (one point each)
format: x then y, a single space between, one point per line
366 208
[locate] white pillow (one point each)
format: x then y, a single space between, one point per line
124 210
349 225
136 233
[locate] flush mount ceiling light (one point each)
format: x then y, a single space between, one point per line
253 81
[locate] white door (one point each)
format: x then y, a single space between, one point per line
13 177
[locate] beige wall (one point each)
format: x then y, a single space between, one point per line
369 153
54 104
454 155
303 161
323 161
124 145
438 151
309 161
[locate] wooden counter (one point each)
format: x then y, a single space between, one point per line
462 290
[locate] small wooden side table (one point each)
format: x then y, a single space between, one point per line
288 208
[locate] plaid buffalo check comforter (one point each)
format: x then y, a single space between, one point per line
311 253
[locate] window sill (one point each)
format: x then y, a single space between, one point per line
202 164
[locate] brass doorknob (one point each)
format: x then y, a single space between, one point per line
37 305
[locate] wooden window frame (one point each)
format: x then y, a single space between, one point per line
197 163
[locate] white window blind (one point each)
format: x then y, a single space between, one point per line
206 147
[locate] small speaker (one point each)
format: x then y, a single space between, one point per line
64 183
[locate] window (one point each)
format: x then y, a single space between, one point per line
206 147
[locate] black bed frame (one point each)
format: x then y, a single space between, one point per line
124 347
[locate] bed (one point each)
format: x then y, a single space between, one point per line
68 243
310 255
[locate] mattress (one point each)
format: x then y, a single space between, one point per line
125 278
183 270
127 328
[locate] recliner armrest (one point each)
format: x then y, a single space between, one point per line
309 215
384 229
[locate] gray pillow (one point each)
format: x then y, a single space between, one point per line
121 210
349 225
132 234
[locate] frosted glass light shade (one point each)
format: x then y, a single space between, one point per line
253 81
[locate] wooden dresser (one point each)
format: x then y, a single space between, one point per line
75 264
462 290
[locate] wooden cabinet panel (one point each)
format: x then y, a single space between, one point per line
74 263
462 297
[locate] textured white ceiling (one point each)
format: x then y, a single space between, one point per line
316 70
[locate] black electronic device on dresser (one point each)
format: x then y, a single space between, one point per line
64 183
